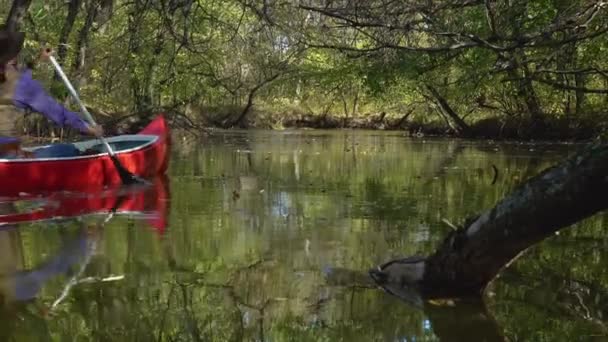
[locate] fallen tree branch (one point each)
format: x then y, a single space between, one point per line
469 258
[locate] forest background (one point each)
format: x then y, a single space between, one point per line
471 68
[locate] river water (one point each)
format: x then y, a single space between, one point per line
266 236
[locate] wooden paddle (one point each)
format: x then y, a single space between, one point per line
126 176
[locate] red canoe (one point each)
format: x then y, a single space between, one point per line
148 202
144 154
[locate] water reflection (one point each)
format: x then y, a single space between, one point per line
299 206
21 285
270 236
140 199
52 246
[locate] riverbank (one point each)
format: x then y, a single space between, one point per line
549 129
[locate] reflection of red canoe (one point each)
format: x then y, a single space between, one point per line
149 202
145 154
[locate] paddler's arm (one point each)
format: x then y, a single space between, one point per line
29 94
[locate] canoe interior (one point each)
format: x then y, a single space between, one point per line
94 147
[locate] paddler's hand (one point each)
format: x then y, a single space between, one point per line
96 131
45 53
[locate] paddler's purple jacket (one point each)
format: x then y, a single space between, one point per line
23 92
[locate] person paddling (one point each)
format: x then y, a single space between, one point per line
19 92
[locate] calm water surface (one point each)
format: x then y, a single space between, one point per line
261 231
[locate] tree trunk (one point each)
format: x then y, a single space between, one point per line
459 125
149 81
400 122
579 83
66 30
135 47
529 94
525 91
470 257
355 102
83 36
250 98
16 14
519 68
563 62
245 110
104 14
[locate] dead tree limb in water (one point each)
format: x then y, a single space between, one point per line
469 258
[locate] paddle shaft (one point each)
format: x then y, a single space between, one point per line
125 176
74 94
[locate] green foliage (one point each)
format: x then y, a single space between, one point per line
521 57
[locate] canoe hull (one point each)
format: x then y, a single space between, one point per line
95 172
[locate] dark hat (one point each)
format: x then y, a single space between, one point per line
11 43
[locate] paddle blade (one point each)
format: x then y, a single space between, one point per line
126 177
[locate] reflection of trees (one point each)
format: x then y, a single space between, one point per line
256 301
230 271
378 200
556 295
448 158
354 201
465 321
190 305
